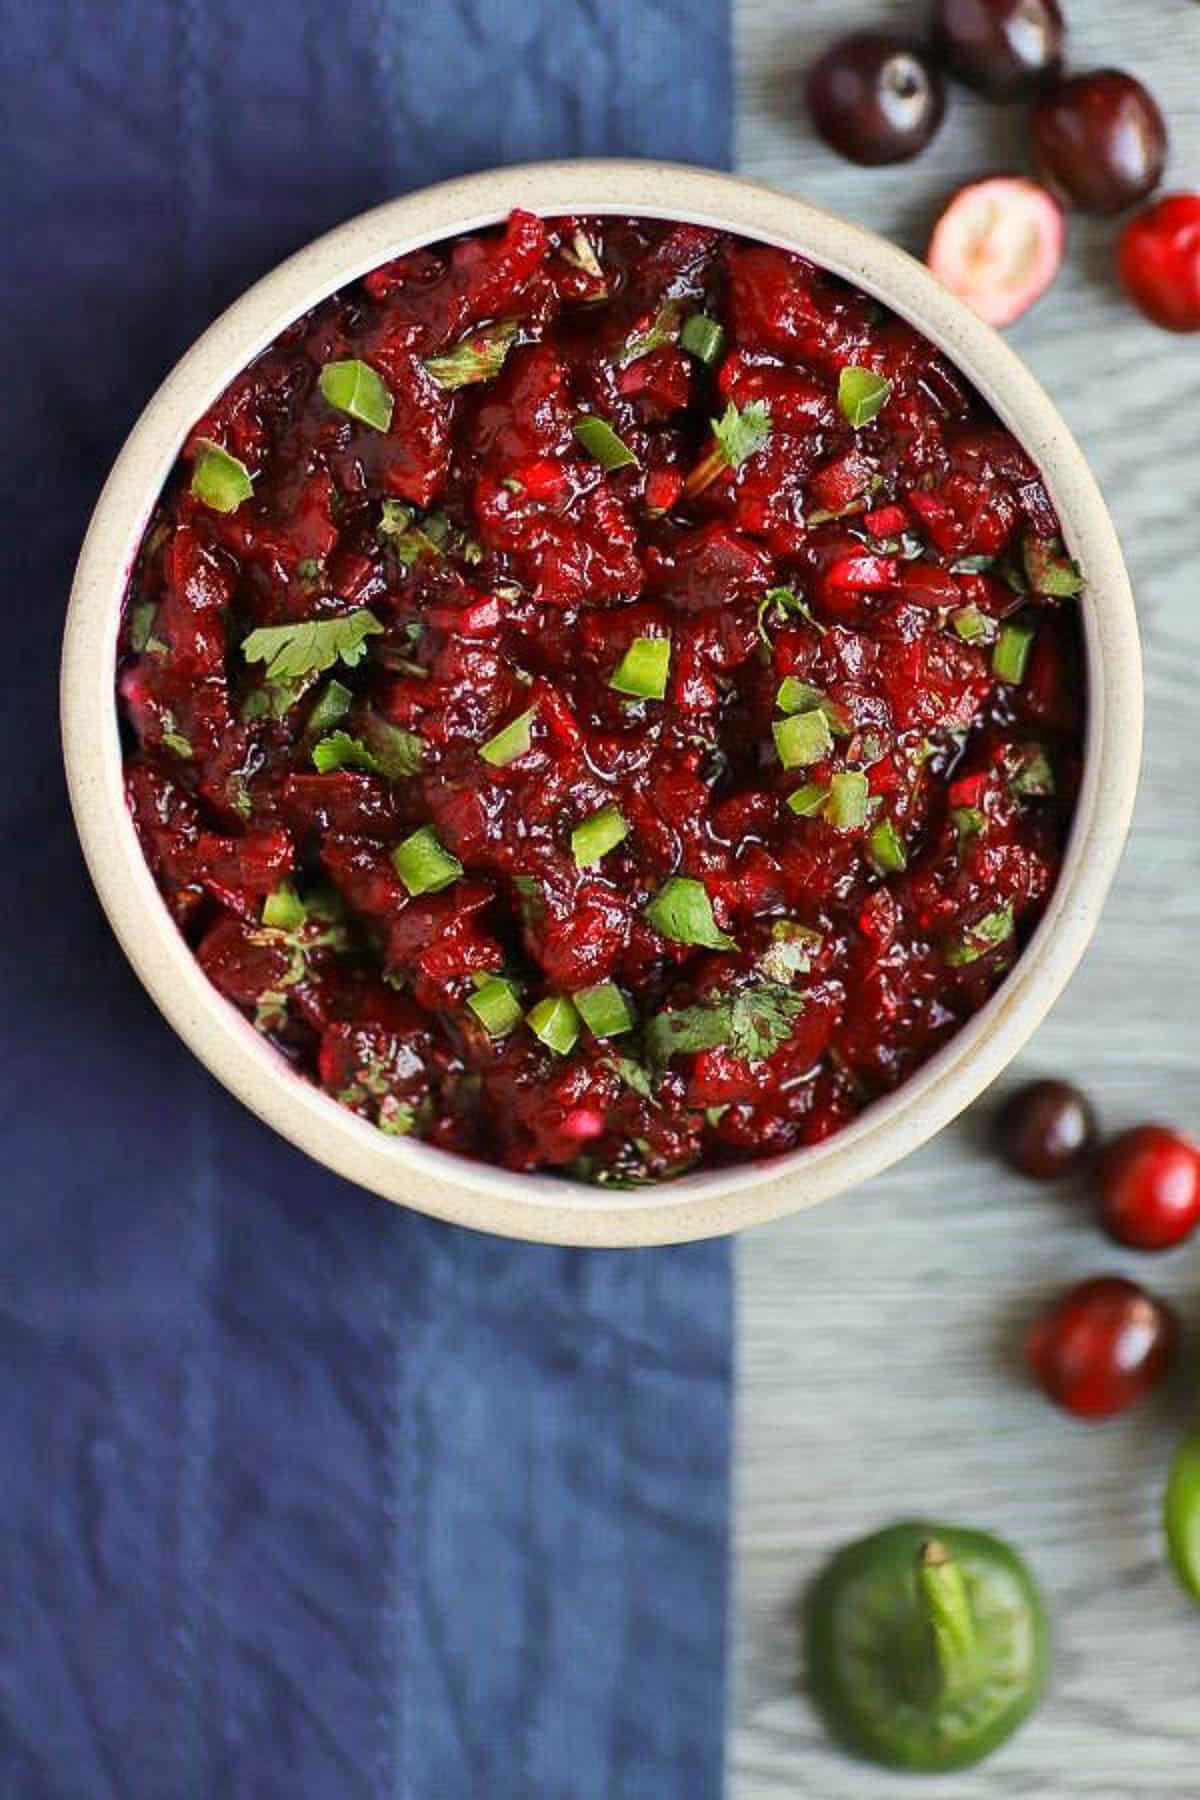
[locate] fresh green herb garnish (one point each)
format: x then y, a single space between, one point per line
599 439
423 864
682 911
1031 775
704 337
969 823
341 751
663 330
220 480
479 357
398 753
972 565
310 646
329 709
790 602
790 952
595 837
862 394
736 435
977 940
141 629
643 669
357 390
752 1024
740 434
635 1077
174 739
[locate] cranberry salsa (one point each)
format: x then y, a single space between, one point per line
603 695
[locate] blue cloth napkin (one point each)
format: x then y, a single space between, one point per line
302 1495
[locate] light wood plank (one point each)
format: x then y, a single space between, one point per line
880 1336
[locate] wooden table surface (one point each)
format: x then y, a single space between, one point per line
880 1336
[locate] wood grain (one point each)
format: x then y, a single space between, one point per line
880 1336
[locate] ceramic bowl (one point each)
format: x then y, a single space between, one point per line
411 1173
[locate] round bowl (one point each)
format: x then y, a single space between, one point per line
543 1207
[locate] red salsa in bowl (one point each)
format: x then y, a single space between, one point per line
603 695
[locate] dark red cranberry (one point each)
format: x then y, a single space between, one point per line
1005 47
1101 1346
1150 1188
876 98
1159 261
1046 1129
1100 141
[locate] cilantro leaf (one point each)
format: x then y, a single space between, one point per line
141 628
752 1023
635 1077
341 751
692 1028
663 330
977 940
173 738
478 357
787 600
761 1019
396 753
311 645
740 434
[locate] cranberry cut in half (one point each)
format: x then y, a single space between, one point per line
1046 1129
1159 262
876 98
1150 1188
998 246
1100 141
1101 1346
1005 48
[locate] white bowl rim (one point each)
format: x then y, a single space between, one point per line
545 1208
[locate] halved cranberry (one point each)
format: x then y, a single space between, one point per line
998 246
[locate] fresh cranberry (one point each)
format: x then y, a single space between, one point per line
1100 141
876 98
998 246
1005 47
1046 1129
1150 1188
1101 1346
1159 261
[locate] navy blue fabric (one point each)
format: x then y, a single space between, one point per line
302 1495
